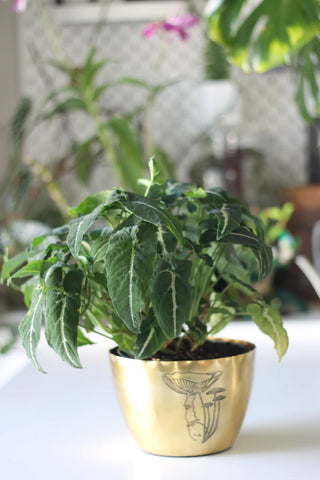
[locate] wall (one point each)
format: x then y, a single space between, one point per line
9 78
265 117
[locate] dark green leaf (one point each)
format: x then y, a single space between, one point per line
129 266
229 217
99 247
198 331
151 338
72 282
62 320
171 295
244 236
150 211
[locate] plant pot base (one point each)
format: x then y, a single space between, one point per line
184 408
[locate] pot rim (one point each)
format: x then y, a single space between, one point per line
251 348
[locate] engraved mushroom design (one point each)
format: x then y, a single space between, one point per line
203 423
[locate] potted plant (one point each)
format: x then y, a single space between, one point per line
159 274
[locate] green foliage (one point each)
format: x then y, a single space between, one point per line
173 263
215 61
272 33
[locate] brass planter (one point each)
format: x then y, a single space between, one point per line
184 408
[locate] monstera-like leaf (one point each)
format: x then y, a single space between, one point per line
266 34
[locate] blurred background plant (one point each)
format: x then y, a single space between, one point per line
30 189
262 35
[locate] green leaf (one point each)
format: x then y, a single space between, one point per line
90 69
83 340
12 264
269 321
85 159
71 104
90 203
72 282
307 94
129 266
151 338
99 247
36 267
244 236
220 319
198 331
129 151
157 173
27 289
121 335
30 327
171 295
229 217
165 162
150 211
79 226
62 320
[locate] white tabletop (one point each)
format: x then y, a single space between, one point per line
67 425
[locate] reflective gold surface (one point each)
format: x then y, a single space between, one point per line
184 408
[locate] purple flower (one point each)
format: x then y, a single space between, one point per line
18 5
178 24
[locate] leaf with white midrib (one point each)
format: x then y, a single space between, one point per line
269 322
79 226
151 211
171 296
129 267
30 327
151 338
244 236
62 320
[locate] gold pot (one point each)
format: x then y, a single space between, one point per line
184 408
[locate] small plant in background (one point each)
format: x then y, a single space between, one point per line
275 221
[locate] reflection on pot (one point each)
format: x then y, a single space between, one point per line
201 412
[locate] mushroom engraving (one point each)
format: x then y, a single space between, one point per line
201 413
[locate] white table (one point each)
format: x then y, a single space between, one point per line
67 425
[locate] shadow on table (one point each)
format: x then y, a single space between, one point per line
279 438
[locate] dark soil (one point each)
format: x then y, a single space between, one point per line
210 349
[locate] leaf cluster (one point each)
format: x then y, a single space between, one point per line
145 270
270 33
